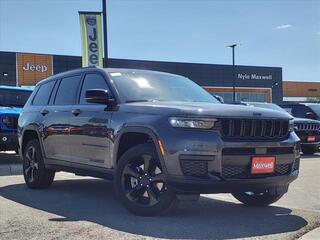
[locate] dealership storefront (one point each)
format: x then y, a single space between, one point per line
263 84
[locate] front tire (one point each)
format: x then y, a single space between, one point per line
257 199
35 174
140 182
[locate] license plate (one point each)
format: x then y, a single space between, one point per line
311 138
263 165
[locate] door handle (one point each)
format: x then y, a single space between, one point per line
44 112
76 112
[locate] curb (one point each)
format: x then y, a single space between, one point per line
312 235
10 169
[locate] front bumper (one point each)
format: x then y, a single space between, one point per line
204 163
194 185
8 141
303 135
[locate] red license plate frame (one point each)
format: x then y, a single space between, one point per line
262 165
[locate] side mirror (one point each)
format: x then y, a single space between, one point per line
311 115
219 98
98 96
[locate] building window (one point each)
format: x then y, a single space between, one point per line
242 94
244 97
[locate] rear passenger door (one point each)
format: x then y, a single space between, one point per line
57 120
89 133
40 107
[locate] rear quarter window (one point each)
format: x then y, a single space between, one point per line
43 94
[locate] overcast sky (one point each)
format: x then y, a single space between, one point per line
283 33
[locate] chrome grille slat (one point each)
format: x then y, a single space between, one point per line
307 126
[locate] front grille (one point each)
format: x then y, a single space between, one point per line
254 129
245 171
307 126
10 121
194 168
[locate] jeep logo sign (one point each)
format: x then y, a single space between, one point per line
91 39
33 67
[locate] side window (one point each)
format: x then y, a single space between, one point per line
43 94
299 111
92 81
67 91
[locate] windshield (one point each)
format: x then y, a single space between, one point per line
315 108
269 106
13 98
148 86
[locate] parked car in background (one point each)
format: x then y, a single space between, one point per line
160 137
303 110
12 100
308 130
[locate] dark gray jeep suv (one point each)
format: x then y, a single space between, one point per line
159 136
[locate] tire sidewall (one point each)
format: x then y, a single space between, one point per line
257 200
41 167
167 200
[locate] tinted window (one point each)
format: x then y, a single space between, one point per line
92 81
316 109
67 91
13 98
300 111
43 94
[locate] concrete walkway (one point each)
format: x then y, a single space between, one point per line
312 235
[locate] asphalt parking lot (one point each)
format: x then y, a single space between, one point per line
86 208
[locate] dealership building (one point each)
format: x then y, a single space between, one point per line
253 83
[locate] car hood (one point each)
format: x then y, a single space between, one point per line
203 109
305 120
10 110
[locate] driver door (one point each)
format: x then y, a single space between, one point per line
89 127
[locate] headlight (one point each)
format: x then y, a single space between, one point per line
192 123
6 120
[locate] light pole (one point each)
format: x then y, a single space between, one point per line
233 72
105 32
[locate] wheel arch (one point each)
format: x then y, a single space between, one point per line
143 132
29 133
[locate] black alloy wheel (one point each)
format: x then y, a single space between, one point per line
35 173
141 183
31 164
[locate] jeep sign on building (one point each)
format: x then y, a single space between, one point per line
31 68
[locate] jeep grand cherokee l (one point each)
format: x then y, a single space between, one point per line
12 100
160 137
308 130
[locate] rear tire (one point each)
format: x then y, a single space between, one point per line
35 174
257 199
140 182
